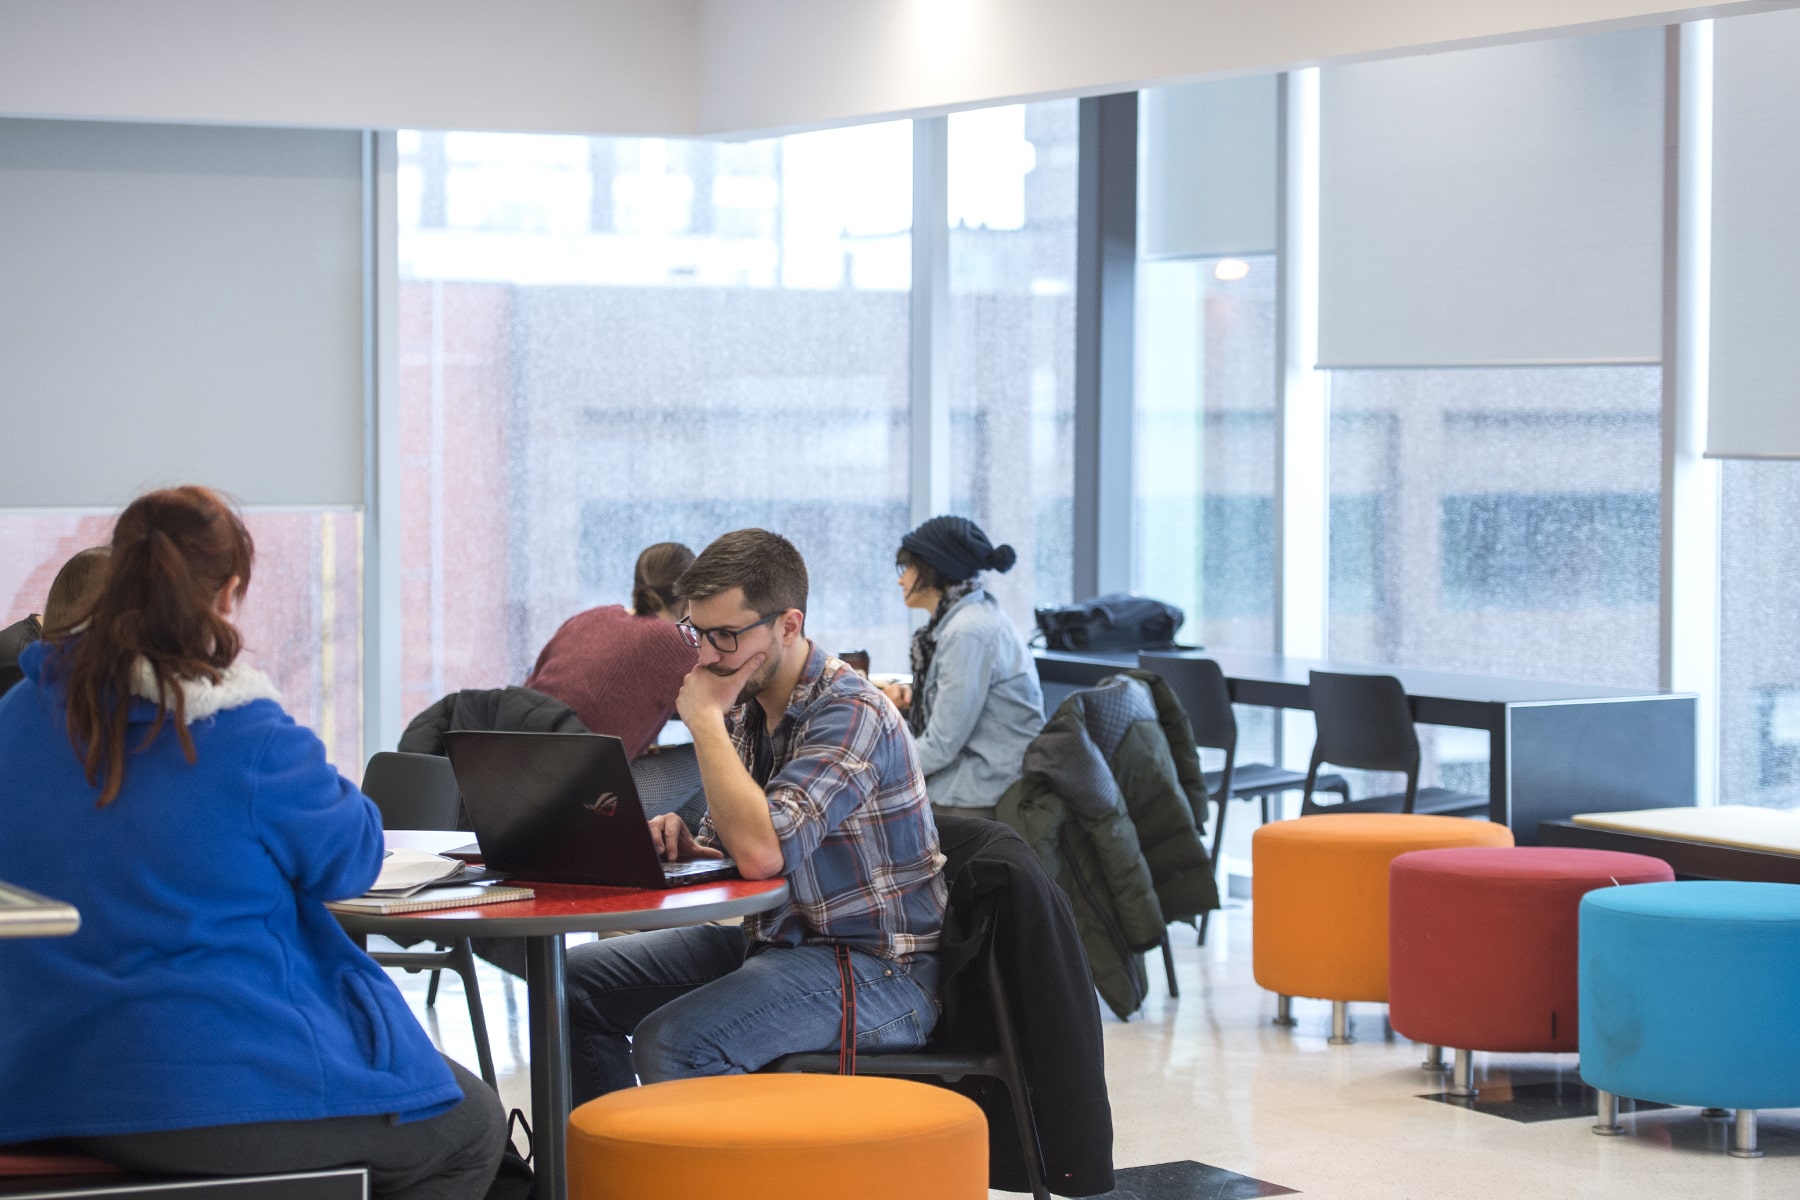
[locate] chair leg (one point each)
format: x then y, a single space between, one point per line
1284 1011
431 991
1434 1059
1204 917
1024 1118
1169 965
484 1054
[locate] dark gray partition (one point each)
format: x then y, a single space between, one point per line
1555 749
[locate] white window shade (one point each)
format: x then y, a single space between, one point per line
180 305
1209 169
1754 402
1494 207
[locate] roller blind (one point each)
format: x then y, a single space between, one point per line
1754 405
1494 207
179 304
1209 169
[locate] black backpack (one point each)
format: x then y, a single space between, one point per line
1117 621
515 1180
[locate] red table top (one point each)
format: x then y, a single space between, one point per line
582 908
583 900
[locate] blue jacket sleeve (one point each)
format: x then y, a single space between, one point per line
323 833
962 669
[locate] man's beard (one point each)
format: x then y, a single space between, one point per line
756 682
760 680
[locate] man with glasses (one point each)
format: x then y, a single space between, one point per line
810 775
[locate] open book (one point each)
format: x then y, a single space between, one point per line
404 872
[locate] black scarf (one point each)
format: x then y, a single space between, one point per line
924 647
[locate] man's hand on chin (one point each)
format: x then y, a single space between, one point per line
707 696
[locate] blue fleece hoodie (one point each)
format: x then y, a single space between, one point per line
207 984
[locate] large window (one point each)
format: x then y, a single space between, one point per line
1205 431
301 619
1499 521
1503 520
1012 187
1759 635
612 342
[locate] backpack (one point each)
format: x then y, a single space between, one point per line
515 1180
1116 621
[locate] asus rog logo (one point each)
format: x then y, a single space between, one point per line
605 804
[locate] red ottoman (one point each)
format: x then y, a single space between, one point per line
1481 945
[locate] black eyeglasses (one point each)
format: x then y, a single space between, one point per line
725 641
900 568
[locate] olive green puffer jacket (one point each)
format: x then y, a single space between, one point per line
1113 801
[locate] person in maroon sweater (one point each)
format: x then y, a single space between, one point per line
621 671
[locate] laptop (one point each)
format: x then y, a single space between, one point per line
562 808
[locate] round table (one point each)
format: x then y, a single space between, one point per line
556 910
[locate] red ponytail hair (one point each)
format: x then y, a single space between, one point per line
172 553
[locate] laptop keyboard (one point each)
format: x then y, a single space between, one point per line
695 866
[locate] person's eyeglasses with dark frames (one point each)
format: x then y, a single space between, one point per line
900 568
725 641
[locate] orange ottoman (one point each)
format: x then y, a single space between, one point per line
779 1137
1481 945
1320 895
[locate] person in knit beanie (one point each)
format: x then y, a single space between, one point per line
974 703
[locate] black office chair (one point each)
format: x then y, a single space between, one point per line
1366 722
418 791
668 780
1060 678
1002 1062
1200 686
978 1034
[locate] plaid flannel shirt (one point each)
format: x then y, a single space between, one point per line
859 847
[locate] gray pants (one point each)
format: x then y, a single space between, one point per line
451 1156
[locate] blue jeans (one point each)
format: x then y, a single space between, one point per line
677 1003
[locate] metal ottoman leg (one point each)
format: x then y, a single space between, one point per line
1606 1123
1340 1023
1434 1059
1284 1011
1743 1134
1462 1074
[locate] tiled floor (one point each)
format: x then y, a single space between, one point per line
1205 1090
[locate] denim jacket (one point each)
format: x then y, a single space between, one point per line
986 705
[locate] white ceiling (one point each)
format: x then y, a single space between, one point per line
698 67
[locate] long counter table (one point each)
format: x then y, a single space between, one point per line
1555 749
1727 841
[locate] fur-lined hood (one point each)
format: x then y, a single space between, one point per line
238 685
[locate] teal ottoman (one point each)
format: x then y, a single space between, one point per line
1690 995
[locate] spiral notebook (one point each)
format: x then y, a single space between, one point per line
426 901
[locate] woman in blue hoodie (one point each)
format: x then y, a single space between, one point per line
209 1017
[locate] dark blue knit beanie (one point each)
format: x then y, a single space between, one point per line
956 548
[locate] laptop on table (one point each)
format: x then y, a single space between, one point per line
563 808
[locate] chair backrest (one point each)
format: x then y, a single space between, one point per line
1200 686
1060 678
413 791
1364 722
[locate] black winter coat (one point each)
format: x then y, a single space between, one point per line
508 708
997 887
